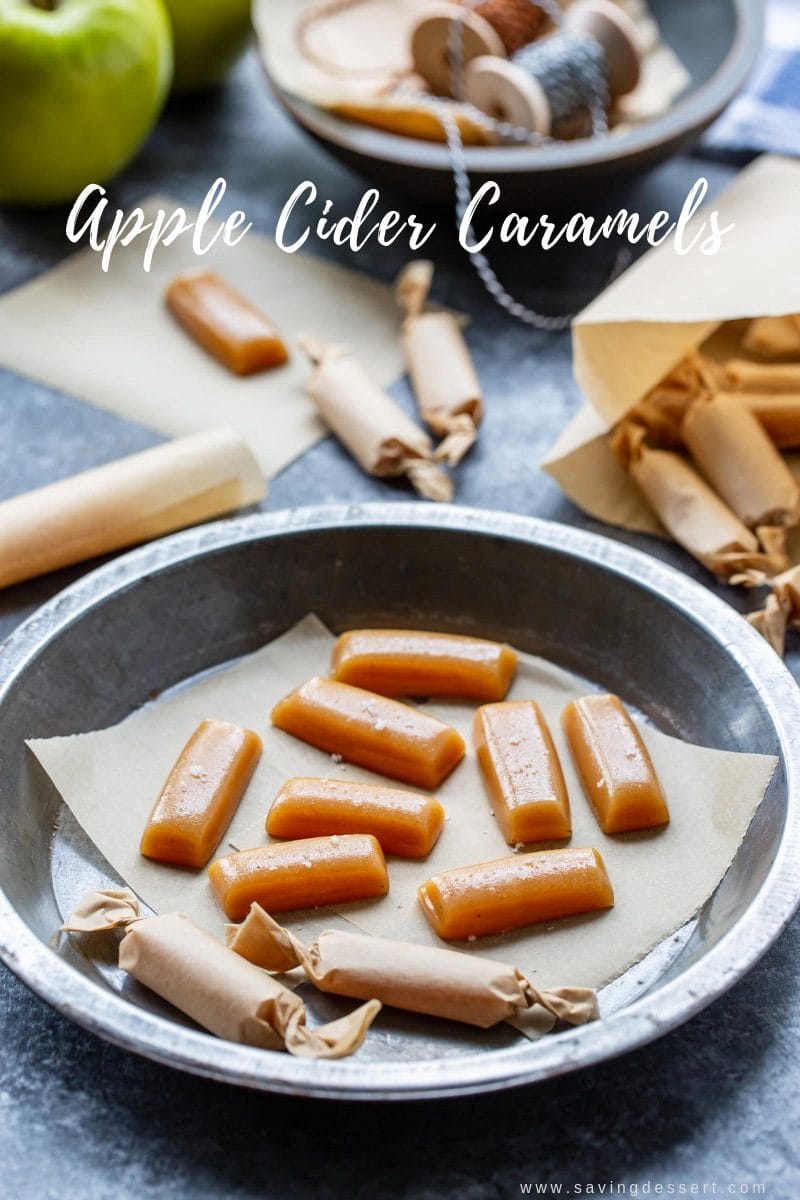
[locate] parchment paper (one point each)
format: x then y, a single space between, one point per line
376 34
659 310
661 878
110 340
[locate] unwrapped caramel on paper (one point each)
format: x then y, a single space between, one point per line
220 990
125 502
421 979
376 431
442 372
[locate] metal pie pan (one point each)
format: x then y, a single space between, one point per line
159 615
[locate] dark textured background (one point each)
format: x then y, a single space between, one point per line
713 1104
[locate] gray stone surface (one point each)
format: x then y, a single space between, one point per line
713 1104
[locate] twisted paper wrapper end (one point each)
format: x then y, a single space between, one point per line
413 285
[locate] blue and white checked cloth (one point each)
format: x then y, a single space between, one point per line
766 116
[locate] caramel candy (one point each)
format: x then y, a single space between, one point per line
405 823
525 888
774 337
744 376
691 512
522 773
614 765
225 324
405 662
383 735
778 413
301 874
201 794
736 456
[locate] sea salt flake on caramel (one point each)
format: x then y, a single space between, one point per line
614 765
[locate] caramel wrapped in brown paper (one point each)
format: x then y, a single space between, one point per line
660 313
734 452
220 990
442 373
376 431
126 502
421 979
774 337
691 512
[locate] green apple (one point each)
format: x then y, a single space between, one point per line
209 36
81 85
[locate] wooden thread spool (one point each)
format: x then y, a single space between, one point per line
552 86
496 27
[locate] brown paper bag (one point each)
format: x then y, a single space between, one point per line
660 310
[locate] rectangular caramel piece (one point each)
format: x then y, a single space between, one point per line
405 823
614 765
372 731
201 794
493 897
408 662
522 772
224 323
300 874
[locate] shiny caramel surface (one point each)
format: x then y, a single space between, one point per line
201 794
224 323
520 890
408 662
300 874
405 823
522 772
383 735
614 765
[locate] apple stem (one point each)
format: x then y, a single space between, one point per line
47 5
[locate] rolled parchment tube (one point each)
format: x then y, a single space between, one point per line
372 731
737 457
443 376
521 771
779 415
125 502
201 794
740 375
408 662
421 979
381 438
690 511
224 323
300 874
405 823
219 989
774 337
614 765
492 897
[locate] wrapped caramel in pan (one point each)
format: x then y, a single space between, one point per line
421 979
381 438
218 989
442 372
742 375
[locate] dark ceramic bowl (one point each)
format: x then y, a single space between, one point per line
717 40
